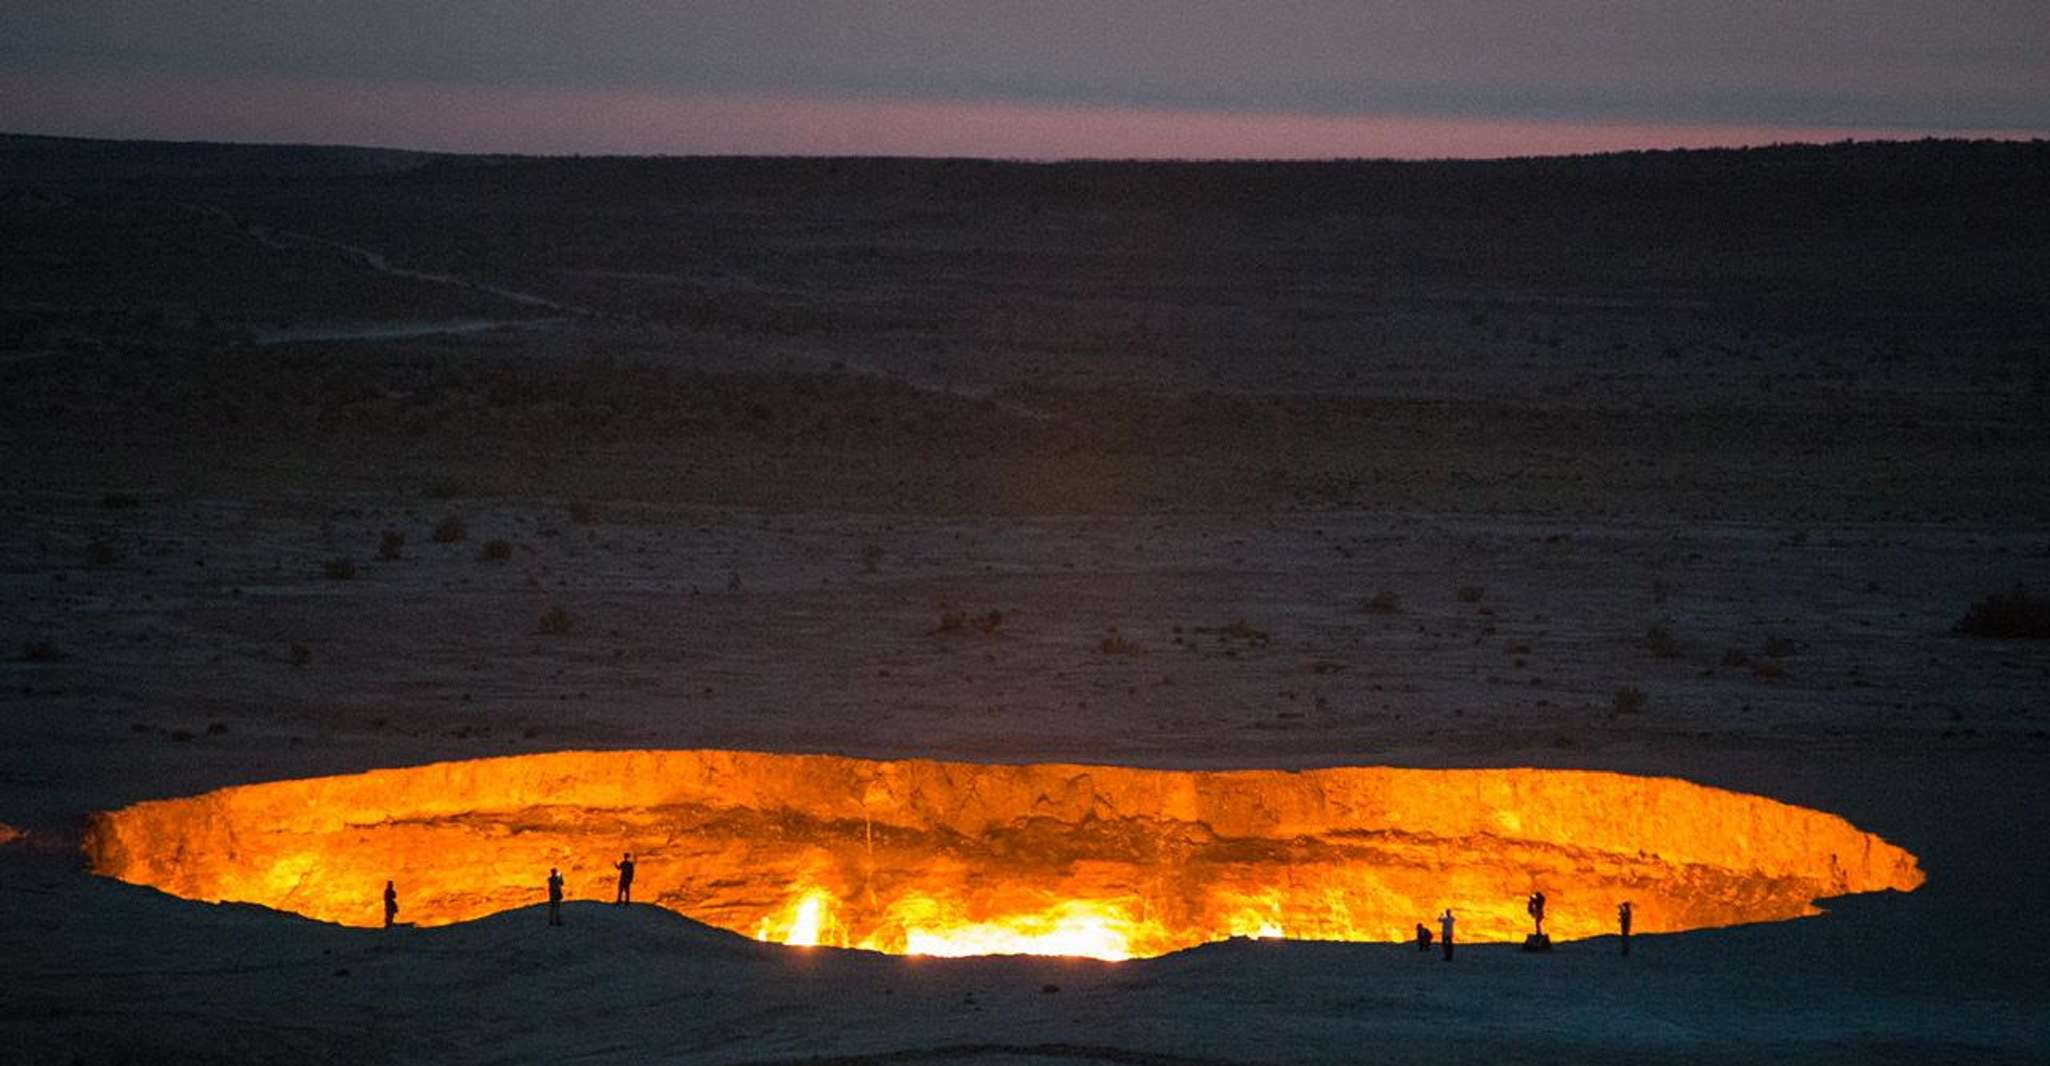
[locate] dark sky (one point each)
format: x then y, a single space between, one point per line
1035 78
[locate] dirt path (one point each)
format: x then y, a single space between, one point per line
398 331
378 261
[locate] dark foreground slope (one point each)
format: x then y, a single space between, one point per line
221 984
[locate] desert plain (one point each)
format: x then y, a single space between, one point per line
1675 464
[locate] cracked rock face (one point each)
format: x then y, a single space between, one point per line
960 858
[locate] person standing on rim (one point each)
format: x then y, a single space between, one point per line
625 866
554 896
1536 907
391 903
1445 922
1623 923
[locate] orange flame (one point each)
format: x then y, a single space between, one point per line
938 858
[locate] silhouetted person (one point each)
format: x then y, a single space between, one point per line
1445 932
1536 907
1423 938
391 904
554 896
1623 923
625 866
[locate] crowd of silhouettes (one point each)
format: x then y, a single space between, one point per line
1534 906
625 866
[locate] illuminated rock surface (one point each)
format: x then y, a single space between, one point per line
958 858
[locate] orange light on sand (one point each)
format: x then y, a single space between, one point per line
934 858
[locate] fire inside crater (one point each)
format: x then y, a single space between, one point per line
940 858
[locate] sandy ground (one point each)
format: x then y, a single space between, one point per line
813 632
805 427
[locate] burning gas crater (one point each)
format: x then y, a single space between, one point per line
941 858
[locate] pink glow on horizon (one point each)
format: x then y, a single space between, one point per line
443 118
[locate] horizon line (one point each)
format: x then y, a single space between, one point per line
1988 138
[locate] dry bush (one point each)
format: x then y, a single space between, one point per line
300 653
1736 657
1116 644
582 512
1628 700
1470 593
444 488
2013 615
1661 642
450 530
120 501
962 622
495 551
1781 647
1384 601
43 651
390 545
555 621
101 554
339 569
1238 630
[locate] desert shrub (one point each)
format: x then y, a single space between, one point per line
1471 593
216 729
1628 700
1237 630
555 621
582 512
43 651
390 545
1781 647
300 653
444 488
1661 642
450 530
341 569
181 735
1768 669
101 553
1736 657
120 501
1116 644
1384 601
496 551
871 557
963 622
2012 615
